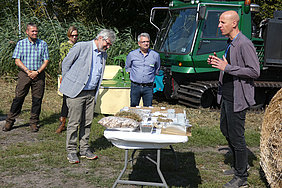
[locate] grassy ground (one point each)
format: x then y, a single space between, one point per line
39 159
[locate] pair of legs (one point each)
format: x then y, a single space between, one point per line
138 91
81 111
232 126
37 86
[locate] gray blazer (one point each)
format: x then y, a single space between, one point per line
244 68
76 69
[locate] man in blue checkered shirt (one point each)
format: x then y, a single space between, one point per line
31 56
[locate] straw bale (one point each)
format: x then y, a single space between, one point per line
271 140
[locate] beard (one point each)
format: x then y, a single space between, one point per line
101 48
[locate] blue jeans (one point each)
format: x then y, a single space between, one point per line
138 91
232 126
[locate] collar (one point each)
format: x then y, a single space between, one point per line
96 49
36 42
142 53
234 42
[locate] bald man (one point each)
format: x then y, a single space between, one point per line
239 67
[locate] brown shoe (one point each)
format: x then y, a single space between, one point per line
7 127
62 126
34 127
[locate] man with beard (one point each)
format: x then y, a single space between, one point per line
82 74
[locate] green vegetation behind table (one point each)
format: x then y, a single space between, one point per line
54 32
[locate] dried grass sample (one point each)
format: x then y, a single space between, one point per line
131 115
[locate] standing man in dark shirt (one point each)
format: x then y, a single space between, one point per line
31 56
239 67
143 64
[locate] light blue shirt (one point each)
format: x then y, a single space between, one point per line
96 69
143 69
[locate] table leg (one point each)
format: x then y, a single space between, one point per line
158 164
132 157
158 167
124 168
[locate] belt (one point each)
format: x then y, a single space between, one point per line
144 84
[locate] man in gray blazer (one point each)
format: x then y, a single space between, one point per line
82 74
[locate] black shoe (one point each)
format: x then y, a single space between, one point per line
229 172
236 182
232 171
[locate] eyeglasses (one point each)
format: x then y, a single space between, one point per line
74 35
108 43
143 42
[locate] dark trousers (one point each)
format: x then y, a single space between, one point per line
232 126
138 91
65 109
37 86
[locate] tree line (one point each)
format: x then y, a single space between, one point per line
127 17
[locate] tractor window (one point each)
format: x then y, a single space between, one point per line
211 38
210 29
179 32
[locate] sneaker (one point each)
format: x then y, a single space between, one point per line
236 182
7 127
88 155
232 171
73 159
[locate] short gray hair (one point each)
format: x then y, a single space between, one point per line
107 34
143 35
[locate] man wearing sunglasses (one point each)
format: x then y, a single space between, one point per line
143 65
82 73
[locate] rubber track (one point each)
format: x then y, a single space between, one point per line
190 95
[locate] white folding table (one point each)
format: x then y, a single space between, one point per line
138 140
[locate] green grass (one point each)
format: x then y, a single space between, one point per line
43 154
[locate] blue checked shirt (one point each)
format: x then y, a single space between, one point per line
31 55
143 69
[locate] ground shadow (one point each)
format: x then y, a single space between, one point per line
48 120
20 126
53 118
229 157
185 174
263 178
100 143
160 97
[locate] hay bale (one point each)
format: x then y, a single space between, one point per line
271 140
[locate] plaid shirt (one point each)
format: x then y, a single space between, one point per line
31 55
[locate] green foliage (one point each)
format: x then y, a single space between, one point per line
54 18
268 7
53 32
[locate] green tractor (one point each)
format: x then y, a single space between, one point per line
189 34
